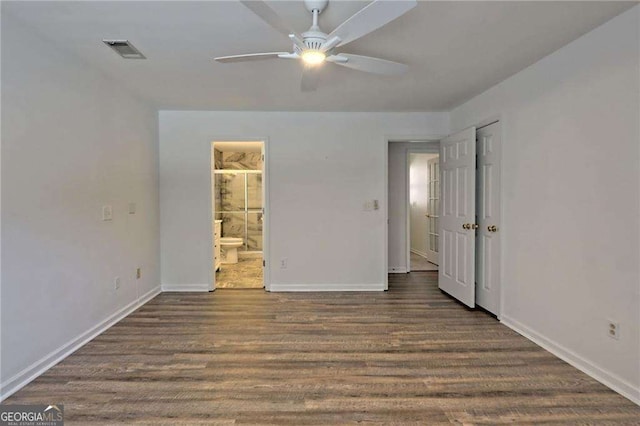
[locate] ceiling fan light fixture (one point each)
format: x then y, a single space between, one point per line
313 57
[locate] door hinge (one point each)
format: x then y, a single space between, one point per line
264 263
262 157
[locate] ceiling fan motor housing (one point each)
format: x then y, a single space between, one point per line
314 39
318 5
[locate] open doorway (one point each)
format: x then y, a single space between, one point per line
424 198
237 169
399 204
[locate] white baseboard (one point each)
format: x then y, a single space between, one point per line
327 287
30 373
399 270
608 379
419 253
185 287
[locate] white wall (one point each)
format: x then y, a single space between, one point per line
72 141
419 201
572 199
322 168
398 198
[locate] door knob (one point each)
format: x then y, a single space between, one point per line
492 228
474 226
466 226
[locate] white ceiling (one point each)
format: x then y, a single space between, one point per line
455 50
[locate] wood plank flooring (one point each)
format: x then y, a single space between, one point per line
407 356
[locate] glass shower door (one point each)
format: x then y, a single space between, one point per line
240 206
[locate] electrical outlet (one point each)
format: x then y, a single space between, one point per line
116 282
138 273
613 330
283 263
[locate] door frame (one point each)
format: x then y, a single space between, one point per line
407 190
503 229
266 217
388 139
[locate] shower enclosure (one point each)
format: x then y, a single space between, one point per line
239 205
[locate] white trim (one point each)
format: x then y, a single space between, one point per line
186 287
399 270
419 253
327 287
266 204
31 372
608 379
385 209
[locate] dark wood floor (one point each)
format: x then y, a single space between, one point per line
407 356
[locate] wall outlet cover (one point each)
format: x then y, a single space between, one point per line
613 329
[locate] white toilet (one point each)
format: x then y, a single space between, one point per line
229 246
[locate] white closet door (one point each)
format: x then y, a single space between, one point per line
457 234
488 199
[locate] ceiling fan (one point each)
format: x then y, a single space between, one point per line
314 47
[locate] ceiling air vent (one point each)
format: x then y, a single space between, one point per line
124 49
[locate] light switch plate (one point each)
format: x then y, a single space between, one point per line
107 213
132 208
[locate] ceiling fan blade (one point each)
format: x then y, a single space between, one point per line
368 64
373 16
310 78
250 57
267 14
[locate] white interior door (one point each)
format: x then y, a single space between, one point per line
433 209
488 214
457 217
263 218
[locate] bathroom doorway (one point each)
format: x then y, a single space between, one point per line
424 199
238 191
